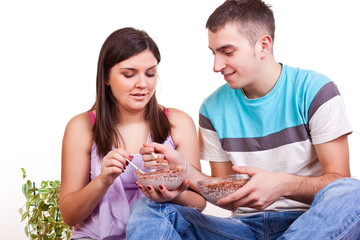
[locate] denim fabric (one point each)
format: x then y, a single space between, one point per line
334 214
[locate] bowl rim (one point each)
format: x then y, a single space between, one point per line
159 167
236 176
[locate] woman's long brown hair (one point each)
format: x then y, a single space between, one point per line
119 46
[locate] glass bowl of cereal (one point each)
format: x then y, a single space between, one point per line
214 188
170 176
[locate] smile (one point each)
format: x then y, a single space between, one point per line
228 75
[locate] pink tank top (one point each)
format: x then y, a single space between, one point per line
108 220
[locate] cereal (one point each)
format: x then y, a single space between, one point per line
169 176
216 188
161 161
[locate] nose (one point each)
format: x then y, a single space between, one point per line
219 64
141 81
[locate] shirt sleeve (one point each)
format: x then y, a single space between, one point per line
330 121
210 146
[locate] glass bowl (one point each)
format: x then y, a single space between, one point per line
212 189
170 176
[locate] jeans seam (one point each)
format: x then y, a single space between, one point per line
212 230
167 231
348 228
168 224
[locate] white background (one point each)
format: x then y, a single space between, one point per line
48 58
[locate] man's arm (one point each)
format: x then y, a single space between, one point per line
265 187
220 169
334 159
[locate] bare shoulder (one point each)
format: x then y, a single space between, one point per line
183 129
184 136
80 122
79 128
178 116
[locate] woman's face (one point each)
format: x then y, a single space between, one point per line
133 81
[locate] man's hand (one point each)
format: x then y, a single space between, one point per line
263 189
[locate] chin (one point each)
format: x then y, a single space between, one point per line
141 106
233 85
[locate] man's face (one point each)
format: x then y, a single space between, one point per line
234 57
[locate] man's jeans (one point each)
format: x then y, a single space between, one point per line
334 214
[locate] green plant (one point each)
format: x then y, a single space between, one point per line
41 210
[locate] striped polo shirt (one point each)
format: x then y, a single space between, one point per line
276 132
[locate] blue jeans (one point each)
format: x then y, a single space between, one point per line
334 214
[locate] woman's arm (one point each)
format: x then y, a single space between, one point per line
78 195
78 198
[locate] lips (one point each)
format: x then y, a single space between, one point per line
138 96
228 75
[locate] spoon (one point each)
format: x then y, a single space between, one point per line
154 155
158 160
135 166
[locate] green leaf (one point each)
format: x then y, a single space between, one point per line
41 211
45 197
68 235
32 199
31 192
26 188
52 184
26 230
44 184
24 216
21 211
53 236
24 173
44 207
33 236
44 190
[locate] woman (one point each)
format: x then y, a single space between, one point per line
97 184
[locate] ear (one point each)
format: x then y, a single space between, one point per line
266 46
106 81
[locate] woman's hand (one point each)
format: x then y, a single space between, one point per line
113 164
163 195
162 152
174 158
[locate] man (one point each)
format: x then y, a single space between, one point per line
285 127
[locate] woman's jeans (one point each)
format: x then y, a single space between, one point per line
334 214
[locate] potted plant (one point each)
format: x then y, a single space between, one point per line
41 211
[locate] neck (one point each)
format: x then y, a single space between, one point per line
131 117
266 78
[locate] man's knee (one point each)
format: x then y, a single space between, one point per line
344 188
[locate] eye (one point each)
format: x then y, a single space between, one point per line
228 53
128 75
150 73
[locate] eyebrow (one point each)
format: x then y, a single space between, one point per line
133 69
223 47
